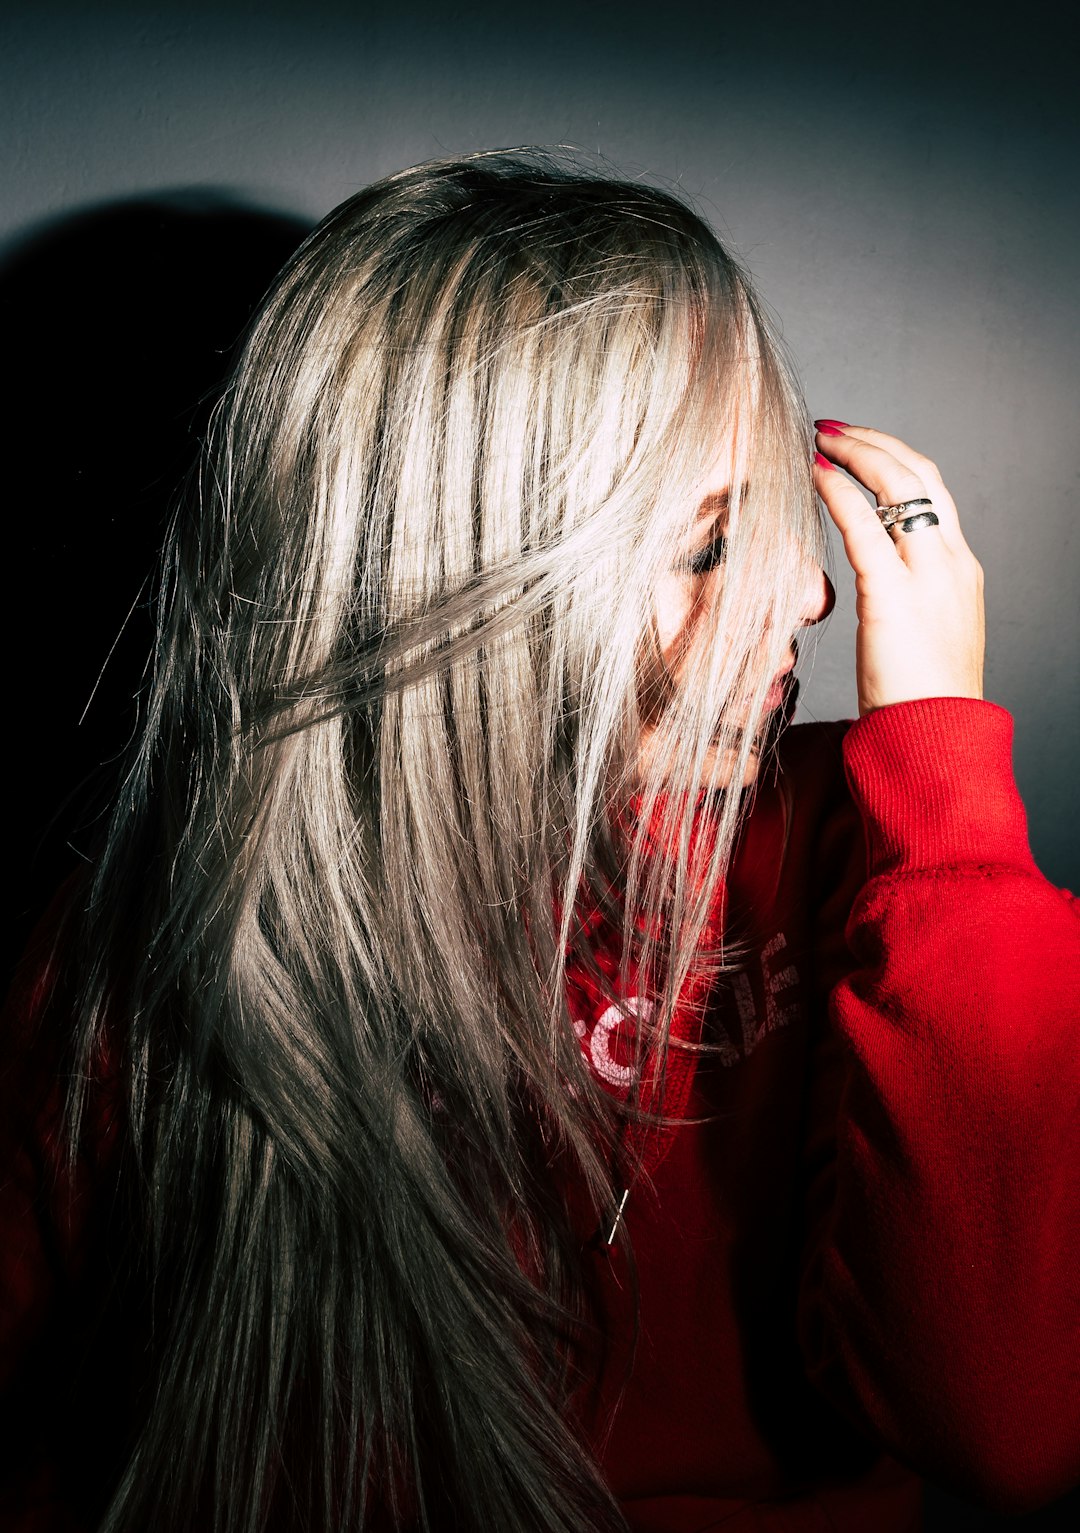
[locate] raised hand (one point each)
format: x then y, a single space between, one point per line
919 588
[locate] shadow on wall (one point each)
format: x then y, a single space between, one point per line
119 327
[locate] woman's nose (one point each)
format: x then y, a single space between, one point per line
820 597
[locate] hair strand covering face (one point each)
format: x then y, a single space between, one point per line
392 728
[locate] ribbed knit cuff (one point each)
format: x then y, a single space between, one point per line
934 783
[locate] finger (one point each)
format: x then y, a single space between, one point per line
875 467
876 553
920 465
924 468
893 484
920 543
912 465
868 546
921 549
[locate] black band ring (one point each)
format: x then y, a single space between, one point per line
913 523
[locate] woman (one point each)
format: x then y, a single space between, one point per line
478 1118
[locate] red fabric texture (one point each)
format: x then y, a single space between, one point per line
863 1266
869 1257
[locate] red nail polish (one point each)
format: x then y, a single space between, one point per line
821 461
831 428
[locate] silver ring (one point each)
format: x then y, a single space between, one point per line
889 514
913 523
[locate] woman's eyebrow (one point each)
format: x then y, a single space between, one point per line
717 504
714 507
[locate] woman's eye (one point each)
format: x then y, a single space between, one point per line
709 557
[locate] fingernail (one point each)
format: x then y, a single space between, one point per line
831 428
820 461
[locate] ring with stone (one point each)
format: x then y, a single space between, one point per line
890 514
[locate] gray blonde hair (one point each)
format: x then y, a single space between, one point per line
391 735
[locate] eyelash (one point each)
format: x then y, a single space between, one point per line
709 557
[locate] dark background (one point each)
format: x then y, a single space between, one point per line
900 179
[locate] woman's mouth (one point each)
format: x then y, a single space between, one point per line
775 695
782 684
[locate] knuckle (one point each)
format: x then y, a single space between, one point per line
927 467
909 486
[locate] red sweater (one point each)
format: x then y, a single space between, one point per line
865 1266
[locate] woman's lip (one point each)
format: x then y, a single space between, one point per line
781 688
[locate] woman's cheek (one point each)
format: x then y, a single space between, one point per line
672 610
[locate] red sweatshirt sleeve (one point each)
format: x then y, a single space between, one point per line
939 1302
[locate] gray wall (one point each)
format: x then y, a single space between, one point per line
899 181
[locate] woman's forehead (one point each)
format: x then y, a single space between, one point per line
722 472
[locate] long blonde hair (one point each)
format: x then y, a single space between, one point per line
392 733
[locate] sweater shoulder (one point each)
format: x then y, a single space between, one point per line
803 840
815 749
812 781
